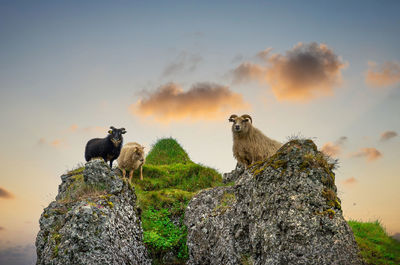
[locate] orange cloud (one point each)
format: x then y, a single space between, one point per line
388 135
383 75
305 72
369 152
89 129
73 127
334 149
350 181
203 101
56 143
5 194
331 149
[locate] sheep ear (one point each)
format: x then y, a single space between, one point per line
110 131
232 118
123 132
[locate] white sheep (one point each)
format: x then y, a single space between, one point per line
131 158
249 143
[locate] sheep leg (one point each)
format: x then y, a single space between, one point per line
141 172
111 161
123 173
130 175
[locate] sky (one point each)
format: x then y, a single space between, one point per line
329 71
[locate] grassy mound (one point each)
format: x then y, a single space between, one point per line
171 179
375 245
167 151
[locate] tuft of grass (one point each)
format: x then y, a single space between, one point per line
375 245
167 151
171 179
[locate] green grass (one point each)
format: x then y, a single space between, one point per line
167 151
171 179
375 245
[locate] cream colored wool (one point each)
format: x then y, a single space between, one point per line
131 158
249 143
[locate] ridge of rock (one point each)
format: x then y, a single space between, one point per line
280 211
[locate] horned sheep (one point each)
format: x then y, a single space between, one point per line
249 143
131 158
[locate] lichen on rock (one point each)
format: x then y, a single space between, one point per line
94 220
283 210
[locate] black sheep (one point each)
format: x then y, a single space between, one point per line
107 148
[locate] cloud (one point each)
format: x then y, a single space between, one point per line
56 143
4 194
18 255
334 149
89 129
203 101
264 55
383 75
247 72
73 127
305 72
184 62
369 152
350 181
388 135
331 149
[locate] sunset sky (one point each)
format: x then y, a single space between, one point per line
329 71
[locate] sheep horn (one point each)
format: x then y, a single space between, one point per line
232 117
112 127
247 116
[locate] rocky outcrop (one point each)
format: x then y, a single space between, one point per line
280 211
94 220
234 175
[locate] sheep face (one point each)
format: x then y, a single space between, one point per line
138 155
116 135
240 125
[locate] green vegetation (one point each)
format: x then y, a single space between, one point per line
167 151
79 190
375 245
171 179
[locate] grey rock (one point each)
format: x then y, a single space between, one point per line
280 211
234 174
94 220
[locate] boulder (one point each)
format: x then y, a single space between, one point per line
283 210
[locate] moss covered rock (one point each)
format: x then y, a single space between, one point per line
283 210
94 220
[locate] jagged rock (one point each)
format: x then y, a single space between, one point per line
94 220
280 211
234 174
